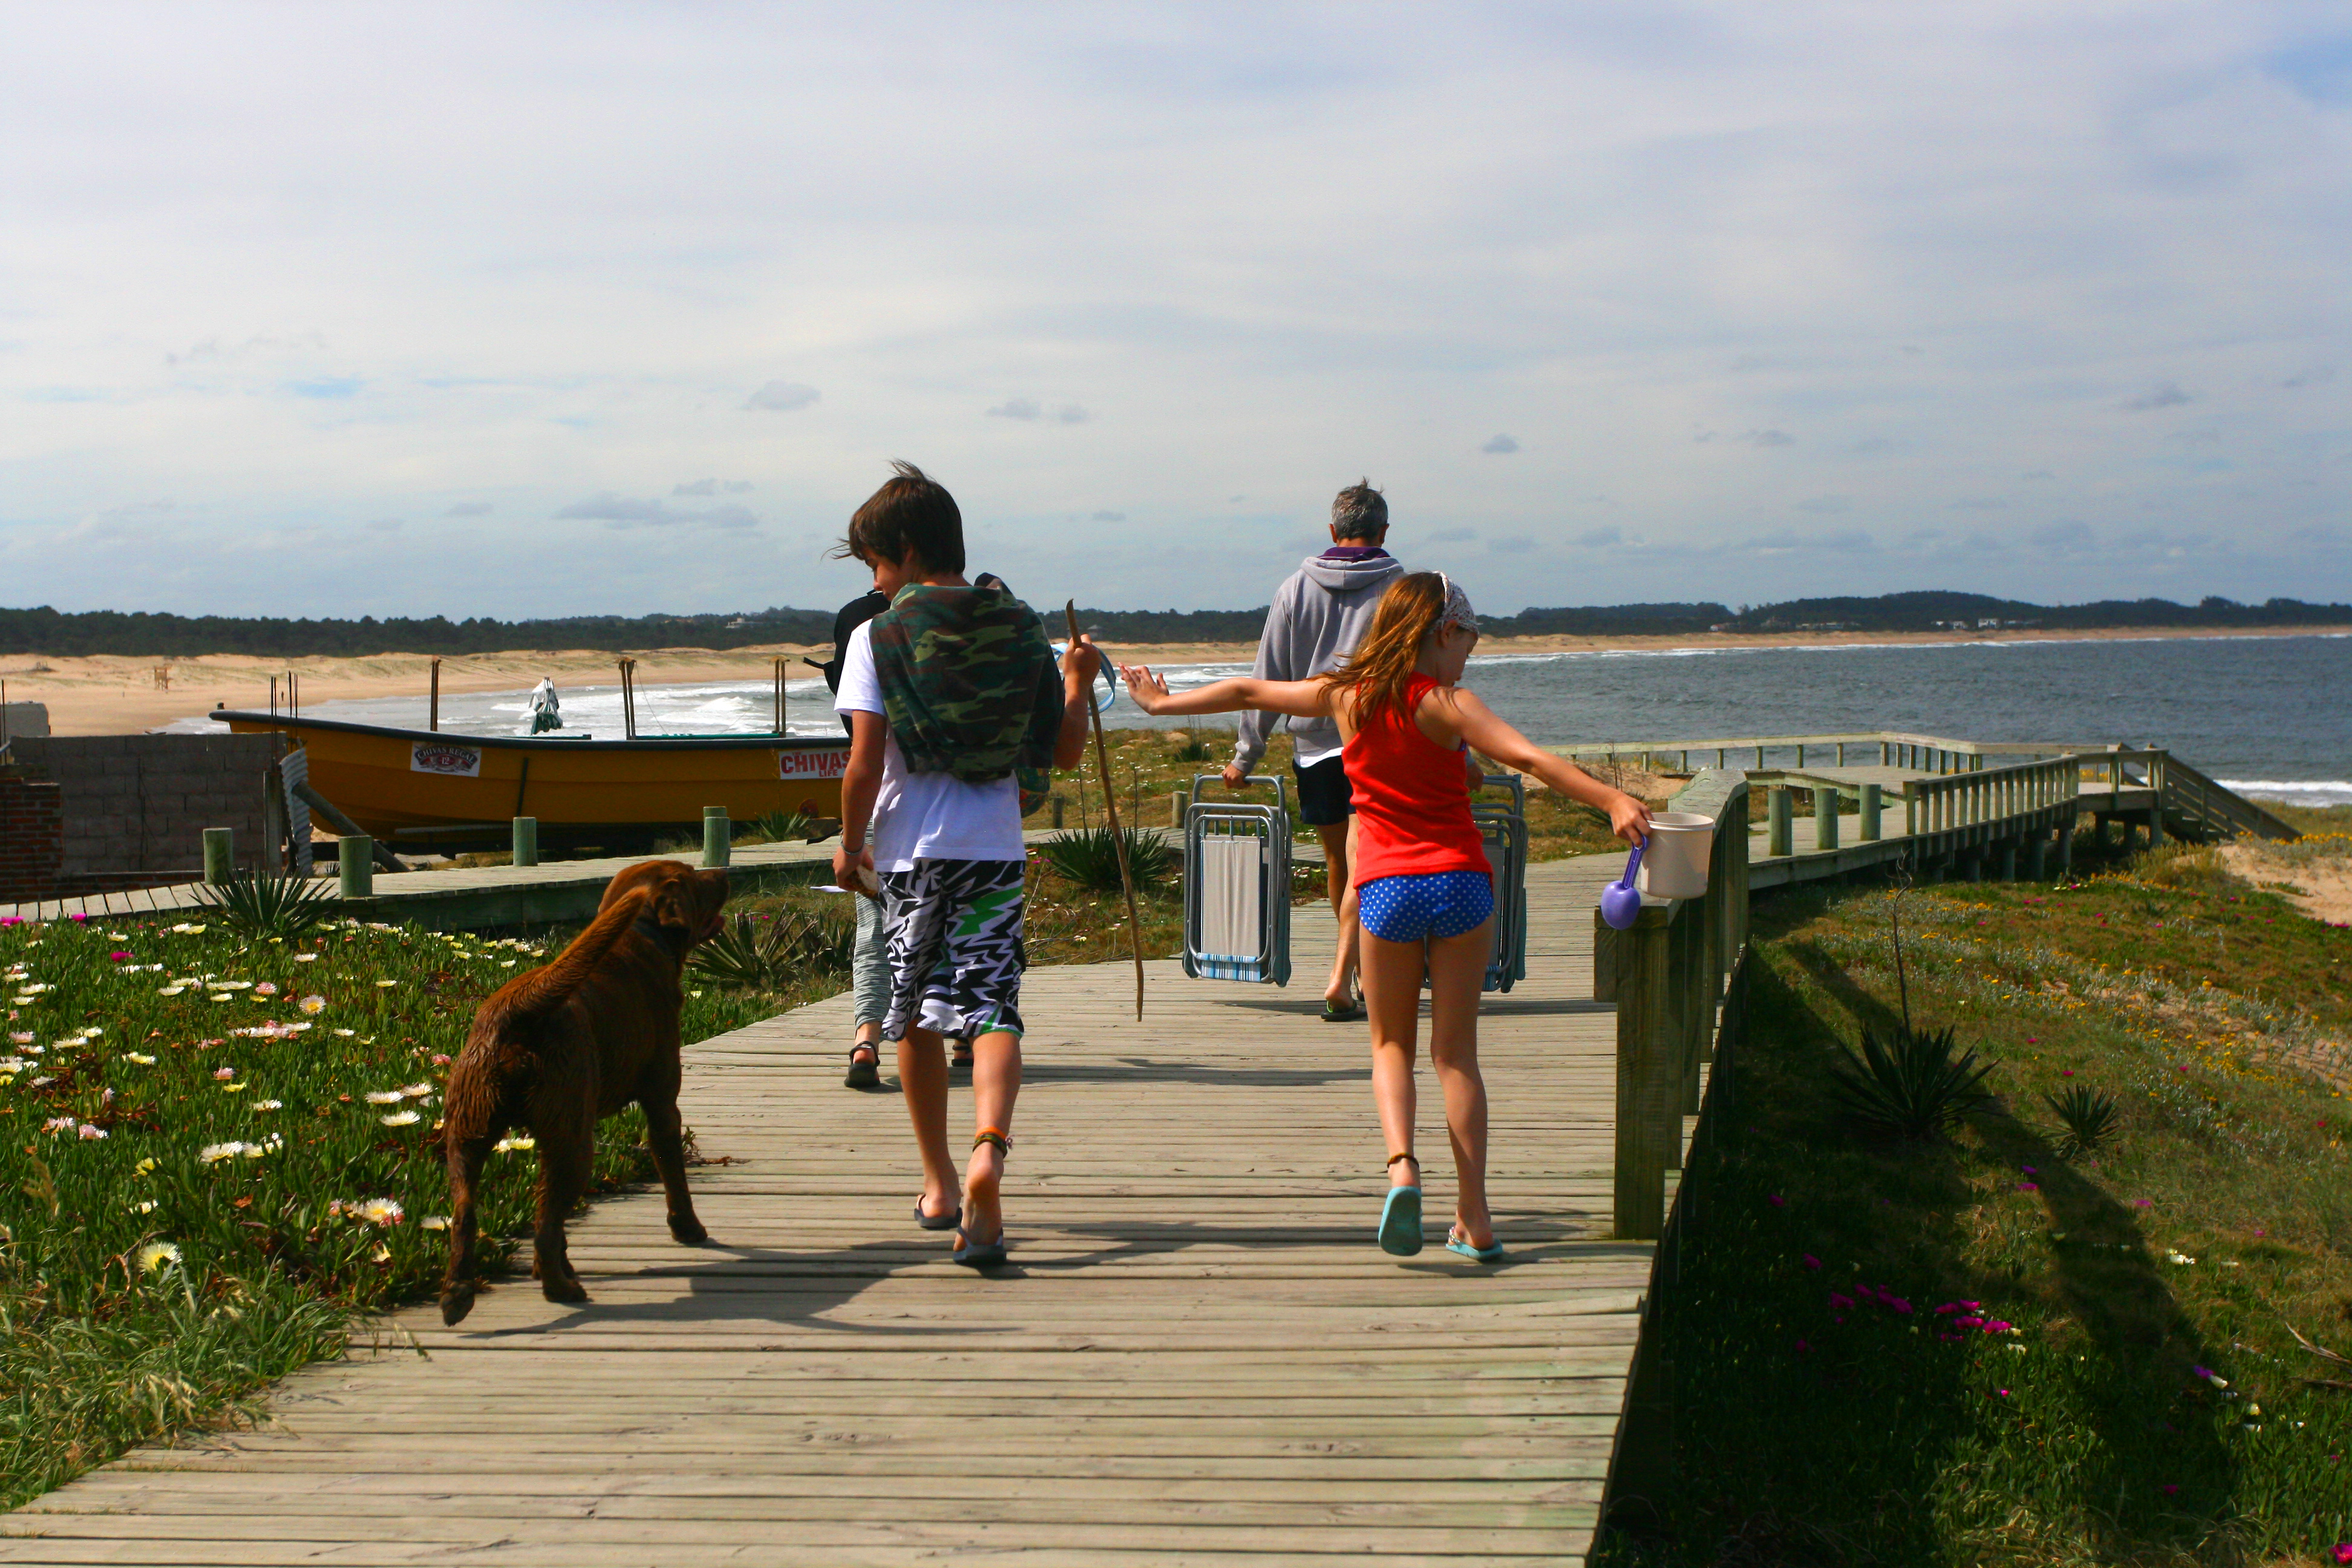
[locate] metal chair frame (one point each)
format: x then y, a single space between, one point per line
1237 877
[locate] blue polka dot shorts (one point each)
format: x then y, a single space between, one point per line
1440 905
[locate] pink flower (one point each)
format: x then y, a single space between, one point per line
1996 1326
1841 1304
2343 1551
2028 1187
2029 1170
1777 1201
440 1060
2001 1393
77 917
2065 1072
1802 1347
117 955
2168 1489
225 1074
2033 1039
1812 1262
2143 1203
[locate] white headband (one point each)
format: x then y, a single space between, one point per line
1456 610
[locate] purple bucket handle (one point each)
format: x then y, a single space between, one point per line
1621 902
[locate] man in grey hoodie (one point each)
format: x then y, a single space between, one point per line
1315 621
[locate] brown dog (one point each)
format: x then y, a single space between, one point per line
560 1048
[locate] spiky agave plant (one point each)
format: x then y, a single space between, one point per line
1914 1084
2091 1117
1090 856
264 907
758 952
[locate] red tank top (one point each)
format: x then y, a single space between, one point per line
1413 797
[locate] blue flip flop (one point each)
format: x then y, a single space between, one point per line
1459 1245
1400 1222
937 1221
981 1255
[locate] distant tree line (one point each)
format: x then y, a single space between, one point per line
142 635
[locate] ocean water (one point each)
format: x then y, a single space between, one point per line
2269 716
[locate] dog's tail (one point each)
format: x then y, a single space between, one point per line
543 991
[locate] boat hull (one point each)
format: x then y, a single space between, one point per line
410 784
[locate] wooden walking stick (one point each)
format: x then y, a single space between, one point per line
1110 814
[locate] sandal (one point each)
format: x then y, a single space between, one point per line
1347 1011
867 1074
937 1221
959 1059
1457 1241
1400 1215
984 1253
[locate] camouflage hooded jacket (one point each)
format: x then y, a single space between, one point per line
969 686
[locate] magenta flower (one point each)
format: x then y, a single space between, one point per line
1998 1326
1802 1347
1968 1322
2001 1393
1812 1262
77 917
2033 1039
2143 1203
2065 1072
117 955
2169 1489
2028 1187
1777 1201
2343 1551
2029 1170
1841 1304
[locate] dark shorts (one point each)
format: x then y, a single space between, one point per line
1324 797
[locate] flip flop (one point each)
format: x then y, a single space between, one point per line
959 1059
1347 1011
863 1075
1459 1245
985 1255
936 1221
1400 1222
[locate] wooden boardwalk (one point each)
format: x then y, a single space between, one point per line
1197 1355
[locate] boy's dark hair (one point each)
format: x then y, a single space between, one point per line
911 511
1358 511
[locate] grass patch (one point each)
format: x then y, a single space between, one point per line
196 1186
1979 1349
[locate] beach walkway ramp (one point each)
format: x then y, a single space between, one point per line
1197 1354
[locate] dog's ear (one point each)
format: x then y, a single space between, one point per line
670 907
716 888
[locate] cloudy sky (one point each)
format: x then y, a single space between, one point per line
499 309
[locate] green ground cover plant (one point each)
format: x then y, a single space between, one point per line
2015 1344
215 1153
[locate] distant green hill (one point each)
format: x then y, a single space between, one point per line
142 635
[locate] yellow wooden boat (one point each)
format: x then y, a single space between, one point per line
417 786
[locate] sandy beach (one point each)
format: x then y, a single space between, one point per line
112 695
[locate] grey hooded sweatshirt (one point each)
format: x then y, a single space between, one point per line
1317 616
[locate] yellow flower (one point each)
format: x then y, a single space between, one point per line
155 1255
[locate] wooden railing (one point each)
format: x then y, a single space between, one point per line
1974 799
1676 978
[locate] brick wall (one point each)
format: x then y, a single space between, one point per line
135 807
32 837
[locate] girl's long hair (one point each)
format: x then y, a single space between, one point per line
1376 674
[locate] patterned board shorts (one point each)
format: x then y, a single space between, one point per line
954 938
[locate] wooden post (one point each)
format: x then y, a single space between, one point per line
716 835
526 841
1176 809
1910 807
433 703
355 864
1873 805
1825 817
220 855
628 669
1779 837
779 695
1058 803
1841 753
2008 859
1800 753
1646 1086
1698 991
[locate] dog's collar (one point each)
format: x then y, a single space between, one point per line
670 939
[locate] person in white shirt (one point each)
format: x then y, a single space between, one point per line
948 693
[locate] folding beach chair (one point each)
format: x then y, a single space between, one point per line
1504 827
1237 887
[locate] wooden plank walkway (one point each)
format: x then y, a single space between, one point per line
1198 1355
475 897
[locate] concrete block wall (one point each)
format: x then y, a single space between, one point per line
135 807
32 837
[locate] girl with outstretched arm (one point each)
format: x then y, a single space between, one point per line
1421 880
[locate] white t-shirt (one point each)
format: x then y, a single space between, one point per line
926 817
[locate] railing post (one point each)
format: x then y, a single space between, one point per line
526 841
355 865
220 855
1645 1081
1873 805
1779 837
1825 817
717 836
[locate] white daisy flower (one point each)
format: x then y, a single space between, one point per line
145 1061
171 990
214 1153
268 1105
385 1096
88 1132
380 1211
401 1119
305 958
512 1142
435 1222
313 1004
155 1255
146 1207
418 1091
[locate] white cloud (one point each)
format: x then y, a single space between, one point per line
620 511
1915 252
1500 444
782 396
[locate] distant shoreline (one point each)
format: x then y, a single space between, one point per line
114 694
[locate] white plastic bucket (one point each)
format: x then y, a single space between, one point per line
1674 864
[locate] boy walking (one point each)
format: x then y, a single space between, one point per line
948 693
